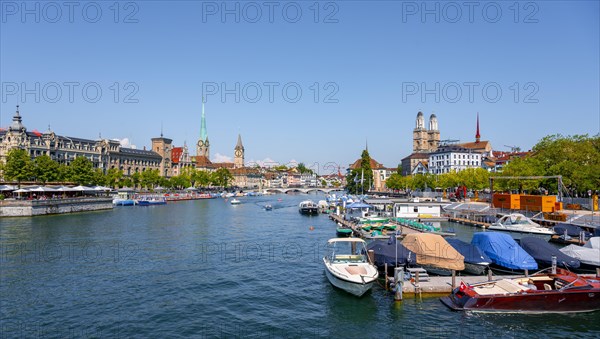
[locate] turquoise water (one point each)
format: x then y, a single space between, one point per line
207 269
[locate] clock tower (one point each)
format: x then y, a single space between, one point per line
238 160
203 146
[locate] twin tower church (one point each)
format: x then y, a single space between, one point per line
202 159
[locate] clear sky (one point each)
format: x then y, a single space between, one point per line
375 64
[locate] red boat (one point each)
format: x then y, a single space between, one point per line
562 292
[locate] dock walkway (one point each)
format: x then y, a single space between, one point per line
443 285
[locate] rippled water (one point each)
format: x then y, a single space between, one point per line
208 269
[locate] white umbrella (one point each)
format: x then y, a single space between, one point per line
65 189
101 188
191 189
7 187
81 188
42 189
22 190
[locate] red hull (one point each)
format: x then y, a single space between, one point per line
568 293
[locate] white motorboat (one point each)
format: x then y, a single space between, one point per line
308 207
347 266
519 226
234 201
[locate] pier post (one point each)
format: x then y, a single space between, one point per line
398 281
489 274
453 279
371 255
386 276
597 272
526 272
553 264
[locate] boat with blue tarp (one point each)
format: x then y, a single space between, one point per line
506 255
476 262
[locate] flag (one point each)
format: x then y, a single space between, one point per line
462 287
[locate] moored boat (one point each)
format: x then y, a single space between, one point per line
392 253
434 253
347 266
506 255
476 262
308 207
562 292
520 226
542 252
588 254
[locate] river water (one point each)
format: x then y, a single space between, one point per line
207 269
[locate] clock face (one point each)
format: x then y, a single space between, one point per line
200 143
238 153
206 143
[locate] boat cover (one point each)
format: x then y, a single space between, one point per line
572 230
385 253
593 243
433 250
586 255
542 252
472 254
503 250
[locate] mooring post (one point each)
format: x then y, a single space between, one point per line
553 264
526 272
386 276
371 255
453 279
399 281
597 272
489 274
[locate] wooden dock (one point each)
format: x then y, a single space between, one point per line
469 222
356 229
442 285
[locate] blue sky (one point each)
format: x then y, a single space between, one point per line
370 60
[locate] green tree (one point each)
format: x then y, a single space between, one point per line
179 182
221 177
18 166
201 178
135 179
150 178
360 180
45 169
99 178
82 171
113 176
303 169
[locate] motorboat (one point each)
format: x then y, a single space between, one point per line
347 266
434 253
506 255
476 262
569 233
542 252
392 253
588 254
234 201
151 202
308 207
123 202
563 292
268 207
519 226
343 232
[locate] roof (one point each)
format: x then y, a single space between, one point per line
139 152
374 164
417 155
202 161
482 145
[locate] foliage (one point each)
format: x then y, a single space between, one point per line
221 177
303 169
150 178
45 169
201 178
81 171
113 177
18 165
360 179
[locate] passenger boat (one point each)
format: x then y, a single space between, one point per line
476 262
151 202
347 266
588 254
519 226
234 201
563 292
308 207
506 255
542 252
434 253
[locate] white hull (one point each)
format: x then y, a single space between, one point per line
357 289
520 233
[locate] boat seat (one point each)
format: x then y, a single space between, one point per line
356 270
547 287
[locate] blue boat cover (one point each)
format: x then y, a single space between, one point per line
385 252
542 252
572 230
472 254
503 250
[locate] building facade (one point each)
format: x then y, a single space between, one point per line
453 159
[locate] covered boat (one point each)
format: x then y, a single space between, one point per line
505 253
588 254
563 292
542 252
392 253
347 266
476 262
434 253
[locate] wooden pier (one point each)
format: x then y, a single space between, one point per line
469 222
442 285
356 229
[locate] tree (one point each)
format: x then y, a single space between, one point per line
303 169
45 169
113 176
201 178
150 178
360 180
18 165
82 171
135 179
99 178
179 181
221 177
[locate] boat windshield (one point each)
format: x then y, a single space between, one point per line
347 252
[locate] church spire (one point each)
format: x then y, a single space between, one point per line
477 135
239 144
203 133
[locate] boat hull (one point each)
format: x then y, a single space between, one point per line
517 235
309 210
476 269
350 287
